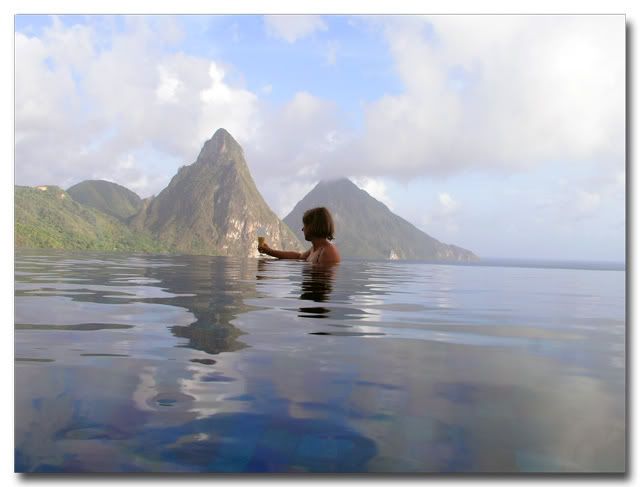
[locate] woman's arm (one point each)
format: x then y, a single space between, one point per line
282 254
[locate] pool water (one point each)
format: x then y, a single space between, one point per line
142 363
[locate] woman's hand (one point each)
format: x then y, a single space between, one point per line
263 248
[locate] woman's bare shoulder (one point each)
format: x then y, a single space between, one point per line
330 254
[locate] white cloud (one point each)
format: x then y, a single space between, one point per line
442 218
293 27
498 92
376 188
84 102
447 204
72 46
292 147
235 109
168 86
47 113
295 138
133 97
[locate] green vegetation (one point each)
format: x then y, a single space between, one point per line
52 219
109 198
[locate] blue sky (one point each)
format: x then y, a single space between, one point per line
504 135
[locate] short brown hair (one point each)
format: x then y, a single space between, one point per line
320 223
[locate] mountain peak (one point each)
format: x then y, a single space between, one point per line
221 142
221 132
339 187
366 228
106 196
335 181
336 184
214 207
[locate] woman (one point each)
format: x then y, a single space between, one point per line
318 229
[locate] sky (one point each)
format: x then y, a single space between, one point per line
502 134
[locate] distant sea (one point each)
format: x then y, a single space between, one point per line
553 264
156 363
525 263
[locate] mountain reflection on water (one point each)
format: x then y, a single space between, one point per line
130 363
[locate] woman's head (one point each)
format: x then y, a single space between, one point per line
318 224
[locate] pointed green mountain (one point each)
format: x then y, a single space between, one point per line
213 206
109 198
367 229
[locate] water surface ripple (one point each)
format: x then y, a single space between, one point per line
140 363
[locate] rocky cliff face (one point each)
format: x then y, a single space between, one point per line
213 206
367 229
